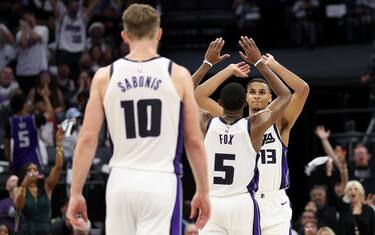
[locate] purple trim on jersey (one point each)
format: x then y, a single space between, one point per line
284 170
208 124
256 217
290 229
176 220
180 143
284 164
253 185
109 137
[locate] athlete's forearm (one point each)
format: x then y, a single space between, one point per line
275 83
200 73
206 89
290 78
83 157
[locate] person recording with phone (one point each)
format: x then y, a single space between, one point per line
33 198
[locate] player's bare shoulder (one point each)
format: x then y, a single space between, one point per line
101 80
181 78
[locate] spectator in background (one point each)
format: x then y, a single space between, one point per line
6 37
32 41
7 210
23 128
7 86
326 215
310 228
33 198
362 169
3 229
65 83
304 12
308 216
84 83
248 15
71 32
325 231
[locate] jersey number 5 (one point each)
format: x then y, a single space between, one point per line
228 170
149 118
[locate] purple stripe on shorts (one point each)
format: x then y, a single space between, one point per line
180 143
256 222
284 170
176 220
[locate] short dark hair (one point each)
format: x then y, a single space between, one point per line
232 96
17 101
261 80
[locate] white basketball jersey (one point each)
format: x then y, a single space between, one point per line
231 158
144 116
272 163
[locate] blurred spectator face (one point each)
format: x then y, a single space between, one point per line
73 7
85 80
96 53
310 228
311 206
30 19
45 78
3 230
353 193
11 183
33 169
6 77
64 71
307 216
318 196
361 156
85 62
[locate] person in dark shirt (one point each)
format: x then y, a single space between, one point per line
7 211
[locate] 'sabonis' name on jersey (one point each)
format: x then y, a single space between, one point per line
139 82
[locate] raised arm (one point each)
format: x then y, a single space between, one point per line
54 176
194 146
90 9
205 90
4 32
211 58
262 121
301 92
86 145
323 135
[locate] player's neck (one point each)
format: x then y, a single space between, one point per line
142 50
230 116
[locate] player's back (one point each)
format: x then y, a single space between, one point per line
144 115
231 158
272 163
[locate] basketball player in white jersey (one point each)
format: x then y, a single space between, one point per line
232 143
273 202
148 102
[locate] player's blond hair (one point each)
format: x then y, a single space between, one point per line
140 21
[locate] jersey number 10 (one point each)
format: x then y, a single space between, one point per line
149 117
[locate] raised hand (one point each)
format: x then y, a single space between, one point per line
241 69
268 59
252 53
213 51
322 133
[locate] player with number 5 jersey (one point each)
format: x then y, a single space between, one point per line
232 143
148 102
274 205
